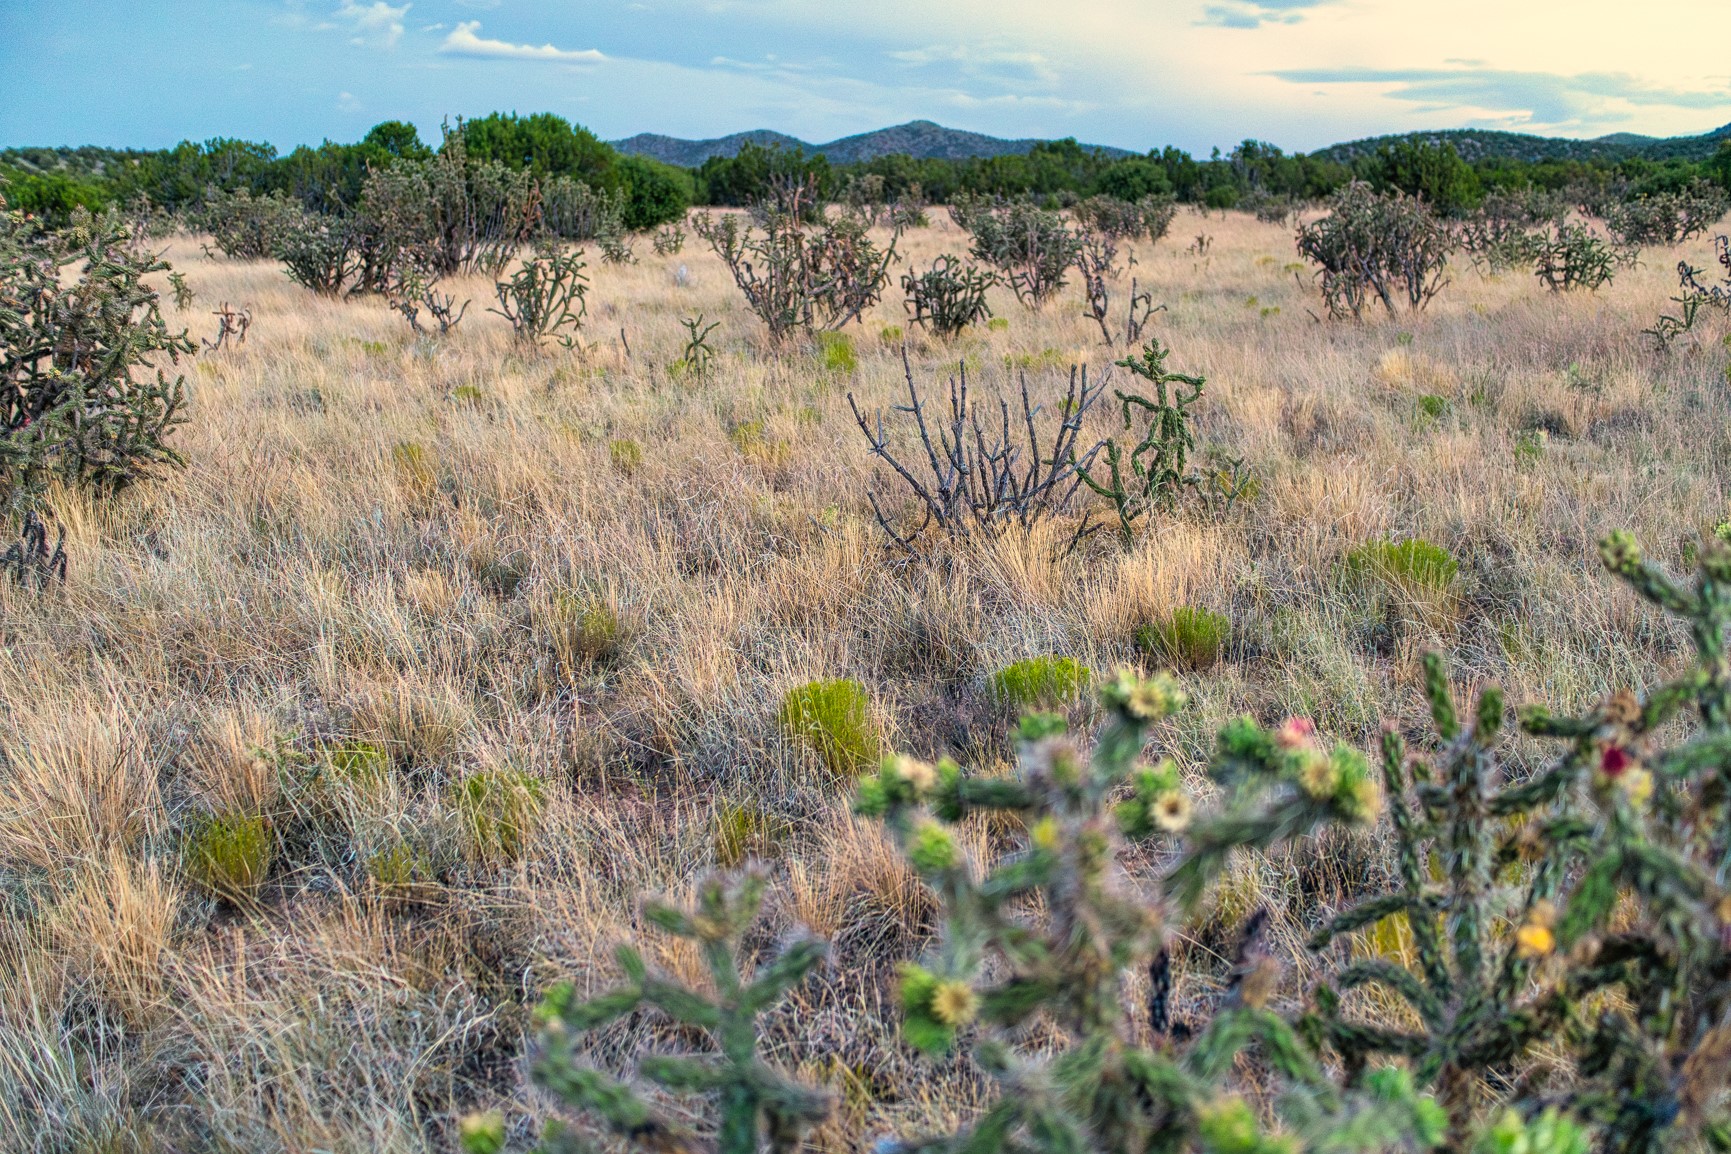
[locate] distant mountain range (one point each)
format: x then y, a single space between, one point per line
924 140
1476 144
917 138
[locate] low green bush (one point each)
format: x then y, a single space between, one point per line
833 719
1039 683
229 854
1413 565
1187 638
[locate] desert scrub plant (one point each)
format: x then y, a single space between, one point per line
758 1107
29 560
1499 234
1381 247
320 253
985 475
546 297
1571 256
948 297
1154 474
1692 296
800 270
90 390
1038 683
248 227
1150 217
498 810
228 855
1031 247
669 239
833 719
1665 218
1189 637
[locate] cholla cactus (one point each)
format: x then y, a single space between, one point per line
1106 1093
760 1107
1553 858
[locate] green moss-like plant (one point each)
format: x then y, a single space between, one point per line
229 855
588 631
833 718
1188 638
1039 683
360 761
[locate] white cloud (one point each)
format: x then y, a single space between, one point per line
464 41
377 23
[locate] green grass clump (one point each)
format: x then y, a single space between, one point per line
1414 565
891 335
416 473
625 454
360 761
833 718
498 810
1039 682
1189 637
467 395
1433 407
229 855
745 831
400 871
836 351
587 631
998 324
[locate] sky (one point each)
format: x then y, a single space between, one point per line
1137 74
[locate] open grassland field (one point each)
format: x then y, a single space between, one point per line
439 654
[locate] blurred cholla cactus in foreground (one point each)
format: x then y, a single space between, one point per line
760 1108
1527 904
1105 1092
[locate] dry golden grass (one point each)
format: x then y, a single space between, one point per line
392 542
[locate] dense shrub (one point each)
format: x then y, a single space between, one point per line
89 383
948 297
1433 173
1412 564
247 227
1031 247
1376 247
1500 234
1665 218
800 271
1150 217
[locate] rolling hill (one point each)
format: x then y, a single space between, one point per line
918 138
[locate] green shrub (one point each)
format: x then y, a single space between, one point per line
401 872
1414 565
836 352
1188 638
229 855
1031 247
1433 407
998 324
1039 682
833 718
498 810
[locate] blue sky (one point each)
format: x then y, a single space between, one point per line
1133 73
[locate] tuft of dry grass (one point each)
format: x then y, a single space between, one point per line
439 550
